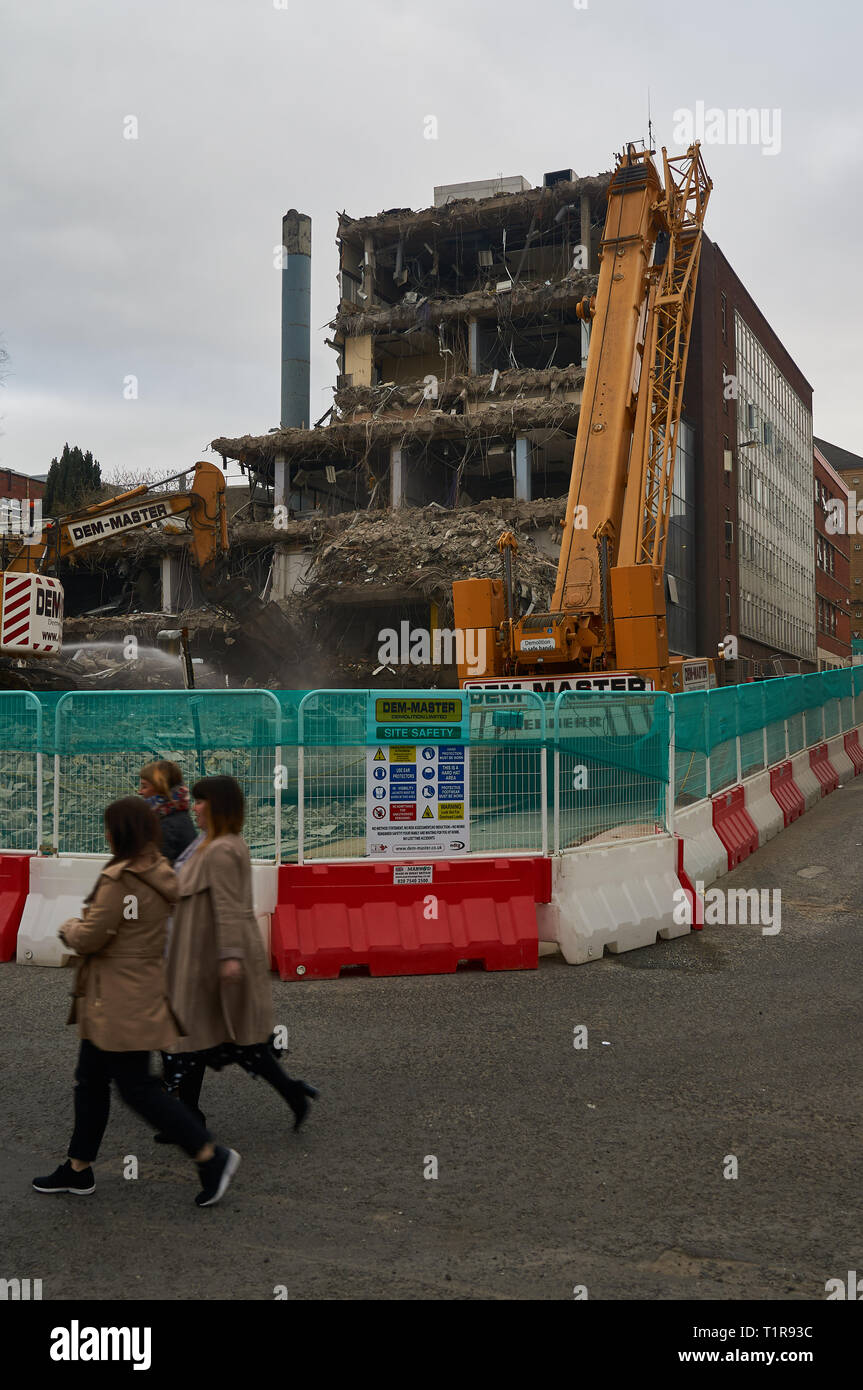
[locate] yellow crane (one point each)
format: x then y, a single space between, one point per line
607 623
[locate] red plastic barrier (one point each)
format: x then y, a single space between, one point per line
330 916
696 903
854 751
786 792
14 887
734 826
819 761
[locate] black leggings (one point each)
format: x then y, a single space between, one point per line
142 1092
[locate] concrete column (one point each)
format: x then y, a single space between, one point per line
522 469
473 345
368 271
280 482
290 568
397 477
585 228
167 585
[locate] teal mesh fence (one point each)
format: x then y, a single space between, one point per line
537 769
21 764
103 739
723 717
612 766
691 747
496 737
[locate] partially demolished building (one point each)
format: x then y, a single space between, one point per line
461 349
460 365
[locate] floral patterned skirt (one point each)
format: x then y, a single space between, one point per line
252 1058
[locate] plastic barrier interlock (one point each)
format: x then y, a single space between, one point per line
14 887
694 898
854 751
407 919
839 759
786 792
762 808
705 857
819 761
734 825
808 784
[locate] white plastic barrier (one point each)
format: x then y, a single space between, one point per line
763 806
616 898
58 887
705 857
265 890
840 759
806 780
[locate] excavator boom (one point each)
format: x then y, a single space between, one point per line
31 610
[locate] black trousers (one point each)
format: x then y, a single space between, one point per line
142 1092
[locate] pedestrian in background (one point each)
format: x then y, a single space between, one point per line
218 971
121 1007
162 787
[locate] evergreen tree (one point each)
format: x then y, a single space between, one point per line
72 481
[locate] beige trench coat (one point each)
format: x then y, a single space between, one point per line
214 921
120 999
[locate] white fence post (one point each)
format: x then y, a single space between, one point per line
301 798
670 790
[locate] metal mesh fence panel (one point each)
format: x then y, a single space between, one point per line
502 734
796 739
611 766
103 739
691 748
508 771
831 719
722 714
751 716
775 742
21 762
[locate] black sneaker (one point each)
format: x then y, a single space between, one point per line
216 1174
65 1179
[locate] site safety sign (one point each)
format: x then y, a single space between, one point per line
417 799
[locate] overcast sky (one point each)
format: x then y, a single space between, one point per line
154 257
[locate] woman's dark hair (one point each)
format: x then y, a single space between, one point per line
227 807
132 826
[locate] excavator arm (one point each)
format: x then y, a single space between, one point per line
31 602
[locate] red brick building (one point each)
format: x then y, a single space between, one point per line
832 572
20 485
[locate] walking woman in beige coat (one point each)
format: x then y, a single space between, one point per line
121 1007
218 971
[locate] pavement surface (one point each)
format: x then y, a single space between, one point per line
601 1168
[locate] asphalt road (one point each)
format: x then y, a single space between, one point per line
557 1167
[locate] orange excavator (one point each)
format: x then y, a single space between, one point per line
31 600
607 625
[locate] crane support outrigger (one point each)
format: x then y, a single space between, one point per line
608 609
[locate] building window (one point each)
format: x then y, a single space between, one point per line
724 380
723 306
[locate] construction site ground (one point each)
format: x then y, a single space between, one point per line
557 1167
